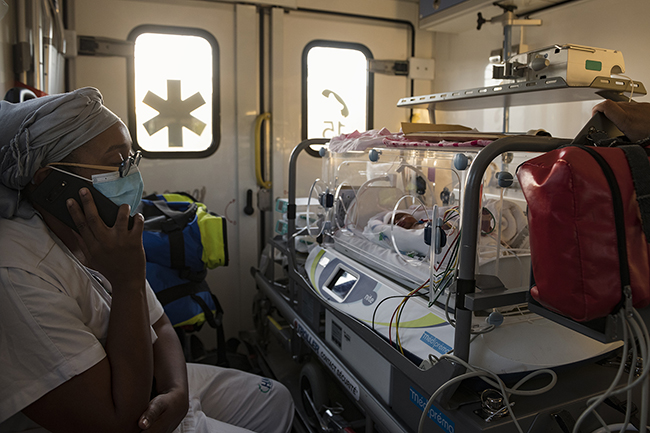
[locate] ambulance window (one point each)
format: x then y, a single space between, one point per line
336 89
174 92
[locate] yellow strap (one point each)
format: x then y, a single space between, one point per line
177 197
196 320
212 238
212 233
258 150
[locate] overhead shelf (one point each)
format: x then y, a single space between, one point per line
544 91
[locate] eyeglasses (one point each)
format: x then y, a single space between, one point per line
132 160
124 168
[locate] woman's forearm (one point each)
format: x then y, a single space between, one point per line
169 407
129 351
169 363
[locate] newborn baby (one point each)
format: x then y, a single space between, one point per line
407 221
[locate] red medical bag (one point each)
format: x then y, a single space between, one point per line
587 236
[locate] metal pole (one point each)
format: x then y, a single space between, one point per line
470 211
37 40
291 208
21 30
507 40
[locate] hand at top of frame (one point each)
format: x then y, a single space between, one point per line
632 118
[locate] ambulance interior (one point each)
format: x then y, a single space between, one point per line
364 155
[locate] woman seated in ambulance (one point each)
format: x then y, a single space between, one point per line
84 344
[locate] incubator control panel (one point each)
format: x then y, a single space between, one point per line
365 295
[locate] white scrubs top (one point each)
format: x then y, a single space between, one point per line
53 315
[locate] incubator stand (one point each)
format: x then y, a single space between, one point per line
424 252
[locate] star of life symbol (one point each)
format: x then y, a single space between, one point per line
174 113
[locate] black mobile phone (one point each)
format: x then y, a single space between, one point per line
599 127
58 187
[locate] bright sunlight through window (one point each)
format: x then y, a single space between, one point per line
337 91
173 92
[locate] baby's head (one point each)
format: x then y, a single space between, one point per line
407 221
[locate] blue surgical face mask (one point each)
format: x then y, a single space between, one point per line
121 190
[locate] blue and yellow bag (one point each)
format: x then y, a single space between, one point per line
182 240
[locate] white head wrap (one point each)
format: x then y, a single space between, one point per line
39 131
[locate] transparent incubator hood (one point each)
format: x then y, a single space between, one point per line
390 232
397 210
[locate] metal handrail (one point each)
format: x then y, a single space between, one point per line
469 222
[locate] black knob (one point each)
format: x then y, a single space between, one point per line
480 21
248 209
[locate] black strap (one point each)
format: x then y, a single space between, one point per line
619 220
215 321
172 222
171 294
186 194
173 219
224 230
176 249
189 274
637 159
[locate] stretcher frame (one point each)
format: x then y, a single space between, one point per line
536 414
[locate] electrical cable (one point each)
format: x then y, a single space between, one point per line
602 421
635 330
484 375
297 233
399 315
644 342
479 332
338 200
308 222
440 292
515 389
442 280
619 373
390 325
641 334
628 409
384 300
450 382
451 321
454 242
644 355
629 99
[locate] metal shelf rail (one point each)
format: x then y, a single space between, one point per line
543 91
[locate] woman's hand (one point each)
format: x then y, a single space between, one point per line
116 252
632 118
165 412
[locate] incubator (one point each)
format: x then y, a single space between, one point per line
390 220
